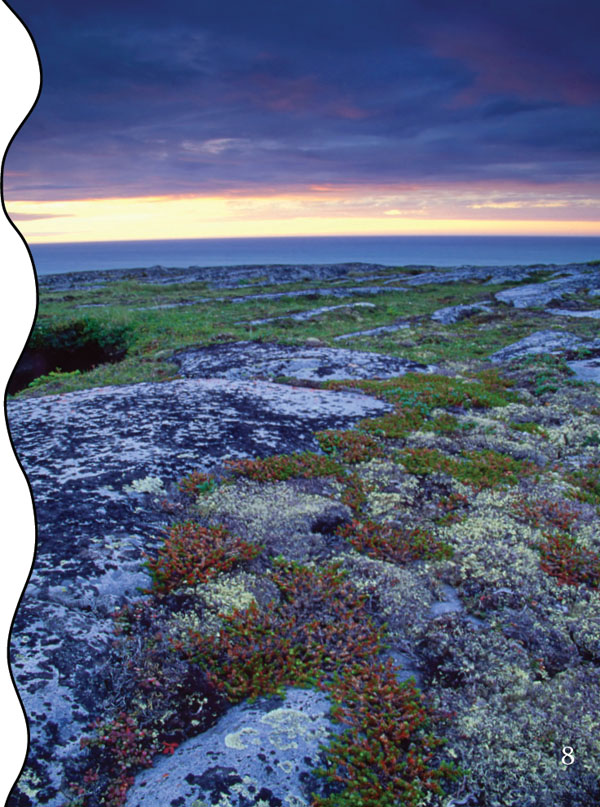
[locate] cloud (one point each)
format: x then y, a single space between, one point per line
37 216
230 96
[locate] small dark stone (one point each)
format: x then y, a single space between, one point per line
266 795
328 522
217 780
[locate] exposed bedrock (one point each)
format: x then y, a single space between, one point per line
99 463
329 291
304 316
540 294
584 369
493 274
218 276
261 753
559 312
232 276
456 313
240 360
398 326
539 342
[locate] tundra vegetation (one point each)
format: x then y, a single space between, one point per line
483 481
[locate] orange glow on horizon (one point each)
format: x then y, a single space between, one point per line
339 212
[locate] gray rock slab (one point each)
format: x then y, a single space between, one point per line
349 291
99 463
540 294
586 370
216 276
301 316
243 360
451 604
454 313
373 331
257 754
491 274
563 312
538 342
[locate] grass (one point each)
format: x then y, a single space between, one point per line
156 334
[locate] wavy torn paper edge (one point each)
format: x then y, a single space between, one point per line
20 83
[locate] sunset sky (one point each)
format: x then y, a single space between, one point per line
179 119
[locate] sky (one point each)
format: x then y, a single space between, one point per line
215 118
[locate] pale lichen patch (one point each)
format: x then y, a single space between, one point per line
280 516
241 739
288 726
228 593
403 594
520 736
149 484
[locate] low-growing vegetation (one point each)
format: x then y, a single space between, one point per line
458 532
149 322
285 466
586 483
411 504
193 554
399 545
569 563
480 469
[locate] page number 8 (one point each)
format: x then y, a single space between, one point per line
568 757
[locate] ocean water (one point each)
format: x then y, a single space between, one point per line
386 250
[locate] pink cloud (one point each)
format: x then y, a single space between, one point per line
298 95
506 64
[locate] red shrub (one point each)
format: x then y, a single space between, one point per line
569 563
193 554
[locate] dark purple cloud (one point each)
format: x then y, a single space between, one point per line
183 97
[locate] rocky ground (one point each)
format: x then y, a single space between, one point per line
291 573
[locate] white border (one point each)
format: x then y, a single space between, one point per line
19 83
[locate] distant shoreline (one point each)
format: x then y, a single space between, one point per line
389 251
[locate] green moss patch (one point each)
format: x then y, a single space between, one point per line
480 469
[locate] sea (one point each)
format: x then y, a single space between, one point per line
386 250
